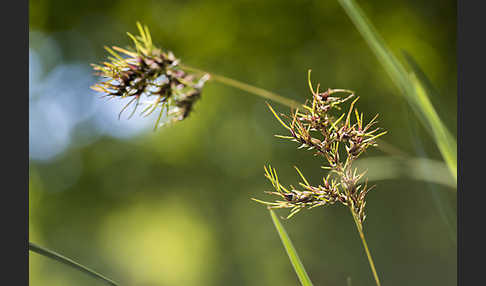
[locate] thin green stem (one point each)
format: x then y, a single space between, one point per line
248 88
58 257
365 245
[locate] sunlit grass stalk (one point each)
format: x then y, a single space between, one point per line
67 261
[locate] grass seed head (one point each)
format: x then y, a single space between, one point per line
336 135
149 76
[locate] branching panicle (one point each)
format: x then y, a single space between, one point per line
338 137
150 77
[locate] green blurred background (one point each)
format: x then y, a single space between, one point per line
172 207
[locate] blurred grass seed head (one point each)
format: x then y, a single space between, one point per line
151 78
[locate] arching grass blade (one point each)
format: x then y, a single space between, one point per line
55 256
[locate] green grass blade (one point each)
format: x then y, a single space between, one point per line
424 88
55 256
427 83
292 253
443 138
415 94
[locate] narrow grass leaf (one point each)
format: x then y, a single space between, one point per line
55 256
291 252
425 90
443 138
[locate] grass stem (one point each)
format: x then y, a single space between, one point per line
248 88
359 226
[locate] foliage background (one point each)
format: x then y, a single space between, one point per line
172 207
